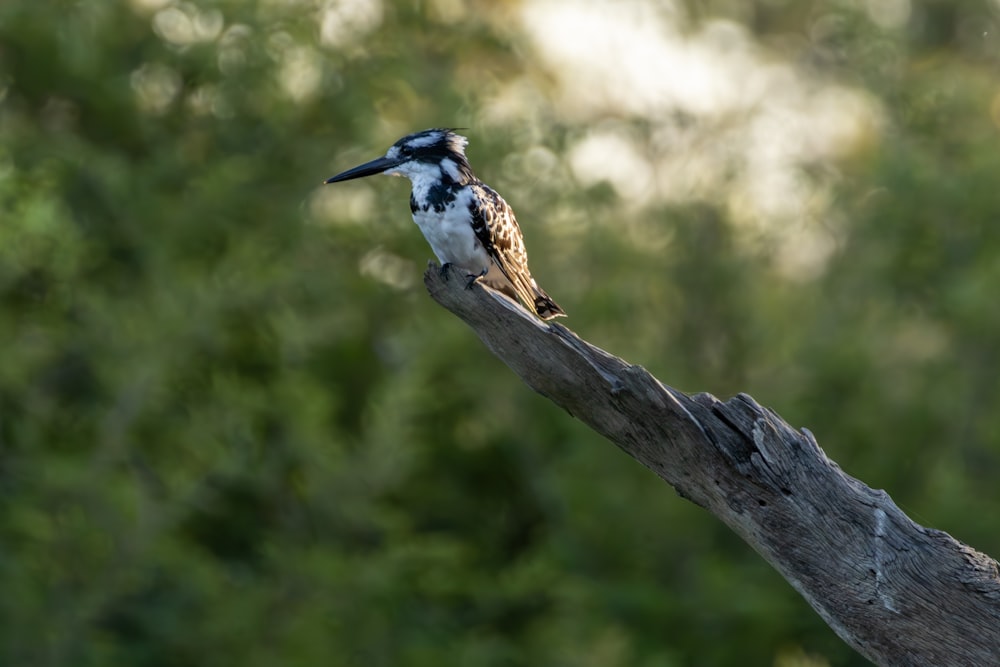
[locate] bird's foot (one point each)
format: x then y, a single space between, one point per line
444 270
473 277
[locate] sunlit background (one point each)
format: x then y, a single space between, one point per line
235 430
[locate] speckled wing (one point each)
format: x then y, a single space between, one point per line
496 228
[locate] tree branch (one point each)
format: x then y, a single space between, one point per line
898 593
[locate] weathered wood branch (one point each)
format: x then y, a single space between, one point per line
898 593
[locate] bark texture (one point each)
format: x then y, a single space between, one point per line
898 593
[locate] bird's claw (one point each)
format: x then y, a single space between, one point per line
444 270
473 277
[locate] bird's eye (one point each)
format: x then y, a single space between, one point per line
405 151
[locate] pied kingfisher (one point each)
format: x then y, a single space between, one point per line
467 224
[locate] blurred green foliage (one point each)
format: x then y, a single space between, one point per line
234 429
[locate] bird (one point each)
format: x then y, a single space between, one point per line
466 222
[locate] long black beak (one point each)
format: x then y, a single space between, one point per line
376 166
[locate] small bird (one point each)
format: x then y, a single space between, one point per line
466 222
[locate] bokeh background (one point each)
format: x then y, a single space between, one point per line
234 430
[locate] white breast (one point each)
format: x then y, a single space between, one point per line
450 235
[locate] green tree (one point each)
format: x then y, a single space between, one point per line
234 430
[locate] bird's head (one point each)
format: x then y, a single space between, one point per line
437 154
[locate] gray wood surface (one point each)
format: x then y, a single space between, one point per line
898 593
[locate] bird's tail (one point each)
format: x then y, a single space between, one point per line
545 307
525 290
